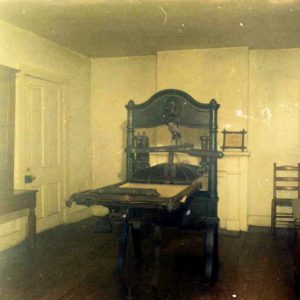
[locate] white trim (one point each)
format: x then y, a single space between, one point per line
79 215
37 72
259 220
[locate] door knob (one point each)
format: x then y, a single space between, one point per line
28 178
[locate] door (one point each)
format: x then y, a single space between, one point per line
40 153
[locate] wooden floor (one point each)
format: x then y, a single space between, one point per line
73 262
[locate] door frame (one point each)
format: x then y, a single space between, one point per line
43 74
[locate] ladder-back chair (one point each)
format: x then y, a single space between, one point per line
286 188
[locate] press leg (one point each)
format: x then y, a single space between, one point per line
130 248
122 247
136 234
211 253
157 241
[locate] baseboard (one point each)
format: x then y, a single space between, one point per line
259 229
12 239
78 216
259 220
279 230
231 233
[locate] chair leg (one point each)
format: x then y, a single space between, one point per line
273 217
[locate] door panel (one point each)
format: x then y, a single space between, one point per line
7 104
51 128
52 198
35 129
42 147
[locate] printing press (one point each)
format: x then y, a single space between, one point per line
171 179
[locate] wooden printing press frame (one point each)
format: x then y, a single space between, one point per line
189 207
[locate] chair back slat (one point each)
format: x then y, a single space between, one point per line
286 178
287 188
287 168
287 198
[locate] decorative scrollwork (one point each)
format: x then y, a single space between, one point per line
172 109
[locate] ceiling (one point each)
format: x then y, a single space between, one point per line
102 28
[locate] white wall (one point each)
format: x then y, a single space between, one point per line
21 49
221 74
114 82
274 123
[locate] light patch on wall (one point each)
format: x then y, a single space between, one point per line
165 14
241 114
227 126
266 115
